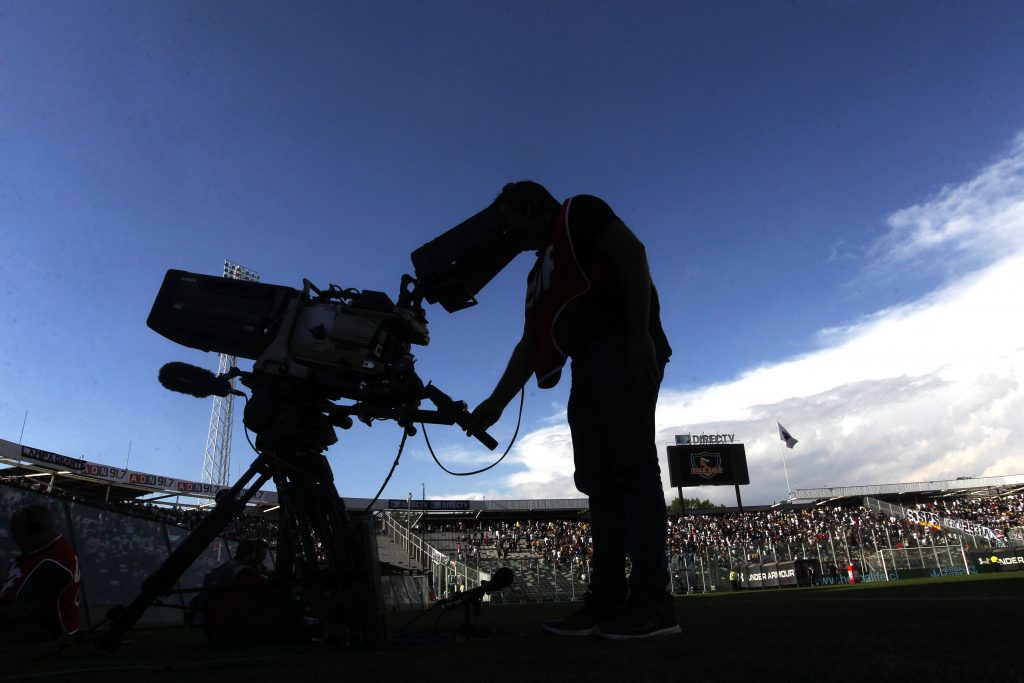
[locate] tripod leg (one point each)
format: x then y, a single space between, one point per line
163 579
285 547
338 560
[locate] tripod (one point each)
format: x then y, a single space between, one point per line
320 547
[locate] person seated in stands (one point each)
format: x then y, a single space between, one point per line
239 605
39 598
247 562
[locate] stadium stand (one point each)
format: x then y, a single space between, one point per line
123 532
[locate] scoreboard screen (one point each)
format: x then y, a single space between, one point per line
707 465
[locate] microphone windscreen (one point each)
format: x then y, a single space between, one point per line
192 380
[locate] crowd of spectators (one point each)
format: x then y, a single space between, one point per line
1004 512
795 531
748 533
800 531
557 541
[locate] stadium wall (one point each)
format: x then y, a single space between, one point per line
115 554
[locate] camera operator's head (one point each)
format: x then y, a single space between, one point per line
528 209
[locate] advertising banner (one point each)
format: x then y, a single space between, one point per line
787 574
1010 559
936 522
995 559
49 459
754 575
443 505
770 575
118 475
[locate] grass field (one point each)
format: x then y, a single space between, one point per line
960 628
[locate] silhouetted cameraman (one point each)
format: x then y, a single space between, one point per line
590 297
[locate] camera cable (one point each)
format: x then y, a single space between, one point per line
394 465
519 420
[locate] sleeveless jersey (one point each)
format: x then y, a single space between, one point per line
555 282
58 613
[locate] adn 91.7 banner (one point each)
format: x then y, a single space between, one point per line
707 465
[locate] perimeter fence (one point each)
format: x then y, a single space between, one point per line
880 542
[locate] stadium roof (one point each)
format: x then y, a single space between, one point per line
79 486
102 482
959 485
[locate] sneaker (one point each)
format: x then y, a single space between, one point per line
584 621
640 619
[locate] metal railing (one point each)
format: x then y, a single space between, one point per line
448 574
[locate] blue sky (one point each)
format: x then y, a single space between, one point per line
827 191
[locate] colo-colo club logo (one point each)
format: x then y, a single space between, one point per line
706 465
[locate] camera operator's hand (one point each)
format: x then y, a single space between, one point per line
486 414
511 383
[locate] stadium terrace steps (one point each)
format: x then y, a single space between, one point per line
391 552
535 582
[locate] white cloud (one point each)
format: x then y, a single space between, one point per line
546 455
926 390
983 217
489 494
456 457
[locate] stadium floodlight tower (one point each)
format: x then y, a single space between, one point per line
217 459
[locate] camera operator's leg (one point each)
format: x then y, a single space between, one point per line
595 478
624 419
644 499
607 590
608 530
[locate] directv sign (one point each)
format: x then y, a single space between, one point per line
704 439
395 504
707 465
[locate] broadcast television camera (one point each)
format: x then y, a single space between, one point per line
355 344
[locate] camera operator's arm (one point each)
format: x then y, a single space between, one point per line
517 372
628 258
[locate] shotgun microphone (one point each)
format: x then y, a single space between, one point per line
194 381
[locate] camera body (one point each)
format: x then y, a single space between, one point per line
355 344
